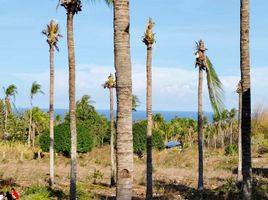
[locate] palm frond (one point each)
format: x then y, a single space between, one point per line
36 88
215 88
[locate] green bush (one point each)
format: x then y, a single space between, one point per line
139 138
231 149
62 138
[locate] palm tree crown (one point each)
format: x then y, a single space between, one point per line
73 6
36 88
215 89
148 38
110 83
52 34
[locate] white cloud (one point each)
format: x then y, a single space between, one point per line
174 88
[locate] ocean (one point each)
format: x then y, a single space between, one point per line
139 115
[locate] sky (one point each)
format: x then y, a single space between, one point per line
24 55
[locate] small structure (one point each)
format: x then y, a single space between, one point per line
173 144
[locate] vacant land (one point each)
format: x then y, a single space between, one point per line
174 172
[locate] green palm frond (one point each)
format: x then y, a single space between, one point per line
215 88
36 88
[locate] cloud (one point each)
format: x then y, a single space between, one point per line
174 88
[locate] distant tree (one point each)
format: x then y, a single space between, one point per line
231 119
135 102
53 35
110 84
149 40
10 91
58 120
35 89
215 94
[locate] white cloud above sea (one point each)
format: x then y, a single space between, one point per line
174 88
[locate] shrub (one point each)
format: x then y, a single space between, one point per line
139 138
62 138
231 149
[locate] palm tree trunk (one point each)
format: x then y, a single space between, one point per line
124 141
246 107
200 132
231 133
6 115
33 134
149 164
222 134
239 174
51 118
113 161
72 106
215 140
30 125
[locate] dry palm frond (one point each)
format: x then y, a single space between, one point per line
110 83
215 88
148 38
52 34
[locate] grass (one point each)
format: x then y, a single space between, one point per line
175 174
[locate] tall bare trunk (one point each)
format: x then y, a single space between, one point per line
30 124
51 118
239 175
200 132
33 134
246 107
72 106
215 140
149 164
124 141
222 134
231 133
113 160
6 115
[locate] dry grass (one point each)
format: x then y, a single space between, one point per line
173 171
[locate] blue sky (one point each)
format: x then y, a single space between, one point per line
178 24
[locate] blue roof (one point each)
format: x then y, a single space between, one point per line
173 144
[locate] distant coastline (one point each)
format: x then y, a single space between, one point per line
141 114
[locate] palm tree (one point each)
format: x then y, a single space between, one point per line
215 95
11 91
149 41
110 84
35 89
239 171
72 7
135 102
223 118
246 107
124 140
231 118
53 35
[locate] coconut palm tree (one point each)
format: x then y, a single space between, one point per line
148 40
72 7
11 91
246 106
124 140
135 102
239 92
215 95
231 118
110 84
52 34
35 89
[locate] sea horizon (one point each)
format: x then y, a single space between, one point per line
141 114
